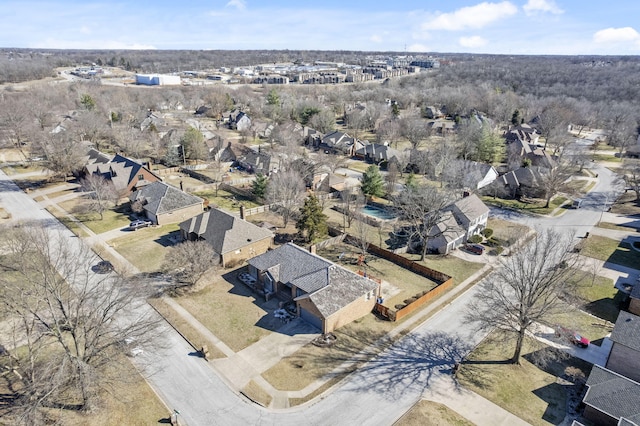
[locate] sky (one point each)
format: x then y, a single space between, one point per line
554 27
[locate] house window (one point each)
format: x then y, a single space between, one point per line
299 292
140 177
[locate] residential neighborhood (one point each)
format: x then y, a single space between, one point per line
354 252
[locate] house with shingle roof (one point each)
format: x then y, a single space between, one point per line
164 203
338 142
624 357
611 398
460 220
127 175
613 395
233 238
326 295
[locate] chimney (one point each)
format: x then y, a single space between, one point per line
312 249
241 211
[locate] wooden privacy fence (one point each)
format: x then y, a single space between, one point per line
411 307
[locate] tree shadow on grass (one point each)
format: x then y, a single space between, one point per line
406 366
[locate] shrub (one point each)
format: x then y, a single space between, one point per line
399 306
497 251
475 239
487 232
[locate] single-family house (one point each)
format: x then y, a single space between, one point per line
378 153
338 142
475 175
471 214
326 295
611 399
523 181
447 235
164 203
255 162
624 357
152 120
613 394
239 121
523 133
127 175
233 238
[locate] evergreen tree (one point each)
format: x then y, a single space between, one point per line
372 183
87 102
273 98
312 221
259 186
411 182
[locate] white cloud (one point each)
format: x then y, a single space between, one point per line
417 47
376 38
238 4
534 6
473 17
616 35
472 42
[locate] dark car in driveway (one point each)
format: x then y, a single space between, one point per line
137 224
474 248
103 267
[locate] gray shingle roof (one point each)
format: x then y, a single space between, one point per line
470 207
162 198
294 261
344 287
225 232
627 330
613 394
329 286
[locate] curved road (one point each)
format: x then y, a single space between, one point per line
378 393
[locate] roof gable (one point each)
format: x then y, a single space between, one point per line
162 198
613 394
223 231
627 331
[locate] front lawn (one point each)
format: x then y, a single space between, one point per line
429 413
536 206
114 218
626 204
228 309
146 247
533 393
597 295
610 250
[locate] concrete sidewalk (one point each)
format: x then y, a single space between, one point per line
470 405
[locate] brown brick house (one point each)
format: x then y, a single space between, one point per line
326 295
164 203
127 175
234 239
625 352
613 394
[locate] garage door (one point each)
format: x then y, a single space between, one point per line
310 318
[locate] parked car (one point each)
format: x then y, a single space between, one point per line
104 267
474 248
137 224
572 336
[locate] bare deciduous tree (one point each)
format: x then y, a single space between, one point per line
287 190
72 320
525 288
191 260
101 194
424 208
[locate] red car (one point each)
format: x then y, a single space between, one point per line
573 337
